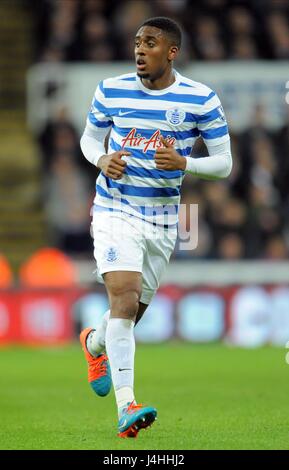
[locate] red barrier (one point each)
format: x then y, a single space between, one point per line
36 316
9 317
247 316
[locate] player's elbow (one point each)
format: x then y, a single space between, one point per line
228 167
82 143
83 140
86 146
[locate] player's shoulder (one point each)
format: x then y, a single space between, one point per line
193 87
119 81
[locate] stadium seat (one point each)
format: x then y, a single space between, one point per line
48 267
6 276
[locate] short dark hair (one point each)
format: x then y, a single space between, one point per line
169 26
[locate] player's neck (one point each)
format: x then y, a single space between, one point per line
166 80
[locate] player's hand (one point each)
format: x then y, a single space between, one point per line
112 165
167 158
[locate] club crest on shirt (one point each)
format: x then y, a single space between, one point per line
175 116
111 254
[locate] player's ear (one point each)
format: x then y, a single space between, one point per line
173 52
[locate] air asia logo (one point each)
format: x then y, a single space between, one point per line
132 139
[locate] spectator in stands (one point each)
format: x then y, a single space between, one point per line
258 126
91 7
171 8
52 54
237 180
251 30
281 139
264 219
243 48
263 172
96 39
231 217
257 131
126 20
276 249
241 21
230 247
100 52
207 39
215 196
194 238
59 135
63 28
67 199
278 30
242 32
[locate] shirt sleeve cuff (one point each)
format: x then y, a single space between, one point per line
190 166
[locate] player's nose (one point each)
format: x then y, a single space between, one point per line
140 55
139 50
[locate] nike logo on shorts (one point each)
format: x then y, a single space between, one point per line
120 370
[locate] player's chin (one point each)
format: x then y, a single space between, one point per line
141 74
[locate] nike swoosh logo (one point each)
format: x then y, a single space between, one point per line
124 423
123 369
124 113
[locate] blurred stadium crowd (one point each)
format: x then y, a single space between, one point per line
241 217
100 30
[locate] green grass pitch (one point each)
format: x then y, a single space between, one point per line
207 397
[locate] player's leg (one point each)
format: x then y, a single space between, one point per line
156 258
95 341
111 235
106 241
124 291
114 253
99 375
141 310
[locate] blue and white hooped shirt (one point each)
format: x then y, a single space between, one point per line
136 117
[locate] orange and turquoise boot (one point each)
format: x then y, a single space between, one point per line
99 375
134 418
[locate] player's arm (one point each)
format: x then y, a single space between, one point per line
92 146
218 165
213 128
92 142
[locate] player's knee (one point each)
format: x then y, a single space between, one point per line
125 304
124 290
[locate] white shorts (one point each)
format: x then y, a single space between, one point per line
125 243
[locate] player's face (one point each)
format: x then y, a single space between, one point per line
153 52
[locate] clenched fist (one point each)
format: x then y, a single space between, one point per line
112 165
167 158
